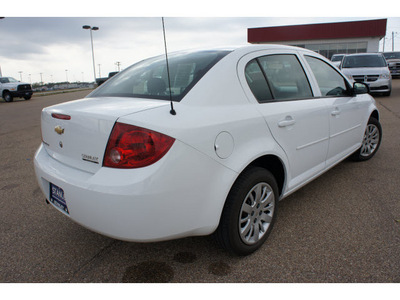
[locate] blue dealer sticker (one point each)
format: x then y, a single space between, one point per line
57 198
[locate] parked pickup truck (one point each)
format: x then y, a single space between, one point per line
101 80
393 61
10 88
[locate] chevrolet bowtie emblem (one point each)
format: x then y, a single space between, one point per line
59 129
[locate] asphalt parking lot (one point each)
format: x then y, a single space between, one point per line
342 227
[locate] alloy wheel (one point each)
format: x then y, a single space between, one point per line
256 213
370 140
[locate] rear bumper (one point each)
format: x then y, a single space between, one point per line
181 195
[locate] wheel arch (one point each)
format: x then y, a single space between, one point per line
375 114
273 164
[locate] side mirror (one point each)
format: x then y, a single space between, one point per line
360 88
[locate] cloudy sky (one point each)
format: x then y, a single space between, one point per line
38 42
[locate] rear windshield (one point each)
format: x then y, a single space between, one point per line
149 78
364 61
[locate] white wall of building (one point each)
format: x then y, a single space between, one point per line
328 47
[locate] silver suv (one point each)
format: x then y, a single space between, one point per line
369 68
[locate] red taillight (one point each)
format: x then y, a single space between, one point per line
135 147
61 116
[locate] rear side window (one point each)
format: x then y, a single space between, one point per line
330 82
257 82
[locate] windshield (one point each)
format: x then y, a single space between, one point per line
392 55
149 78
364 61
7 80
337 57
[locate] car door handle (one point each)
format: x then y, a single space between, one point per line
288 121
335 112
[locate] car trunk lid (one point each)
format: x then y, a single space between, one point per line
76 133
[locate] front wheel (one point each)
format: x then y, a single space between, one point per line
249 212
27 97
7 97
371 141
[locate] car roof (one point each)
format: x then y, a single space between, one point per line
248 48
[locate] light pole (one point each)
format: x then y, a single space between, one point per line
91 39
118 64
20 75
393 36
66 75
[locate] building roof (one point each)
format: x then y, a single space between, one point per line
342 30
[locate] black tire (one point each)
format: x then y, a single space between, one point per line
7 97
243 212
27 97
371 141
387 94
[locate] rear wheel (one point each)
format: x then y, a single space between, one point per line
249 212
27 97
7 97
371 141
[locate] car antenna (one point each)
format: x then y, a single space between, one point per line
172 111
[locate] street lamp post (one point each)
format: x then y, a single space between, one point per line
91 39
118 64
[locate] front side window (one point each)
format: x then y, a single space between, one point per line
149 78
330 82
7 80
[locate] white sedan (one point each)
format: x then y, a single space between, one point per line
208 145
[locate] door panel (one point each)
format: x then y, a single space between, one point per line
301 128
298 122
345 127
344 110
